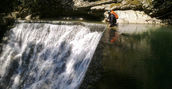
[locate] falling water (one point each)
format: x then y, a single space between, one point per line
47 56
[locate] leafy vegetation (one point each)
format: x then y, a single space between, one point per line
7 5
47 7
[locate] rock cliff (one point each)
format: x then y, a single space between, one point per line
130 11
91 9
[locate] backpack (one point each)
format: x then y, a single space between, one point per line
116 16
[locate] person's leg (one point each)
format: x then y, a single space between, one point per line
114 20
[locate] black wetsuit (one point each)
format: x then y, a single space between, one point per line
112 20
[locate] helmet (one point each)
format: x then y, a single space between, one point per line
108 12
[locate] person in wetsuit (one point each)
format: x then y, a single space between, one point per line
112 18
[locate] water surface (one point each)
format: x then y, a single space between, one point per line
136 56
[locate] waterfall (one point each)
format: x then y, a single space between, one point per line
47 56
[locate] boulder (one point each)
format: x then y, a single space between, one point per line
28 17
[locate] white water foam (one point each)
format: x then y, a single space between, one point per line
46 56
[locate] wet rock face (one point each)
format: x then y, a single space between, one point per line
157 8
6 7
160 9
5 25
163 10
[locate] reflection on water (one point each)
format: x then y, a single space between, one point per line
113 36
137 57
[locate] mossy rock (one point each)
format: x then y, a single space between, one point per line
115 4
133 2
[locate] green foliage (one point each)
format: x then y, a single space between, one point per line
47 7
7 5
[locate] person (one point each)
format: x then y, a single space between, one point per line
112 17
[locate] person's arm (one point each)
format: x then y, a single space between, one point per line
109 17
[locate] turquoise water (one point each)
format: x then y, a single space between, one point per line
136 56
